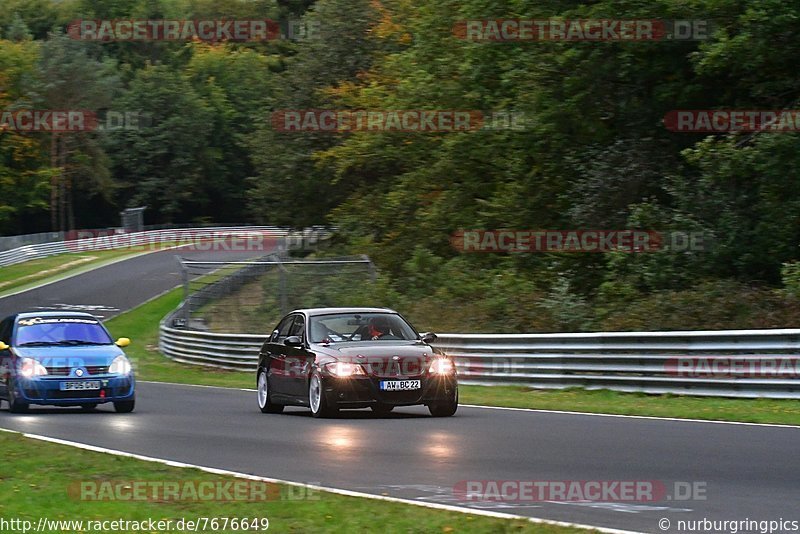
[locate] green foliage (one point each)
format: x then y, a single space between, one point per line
24 171
162 164
290 186
593 152
18 30
33 17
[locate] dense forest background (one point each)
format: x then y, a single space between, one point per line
594 152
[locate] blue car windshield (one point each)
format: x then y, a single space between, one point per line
43 331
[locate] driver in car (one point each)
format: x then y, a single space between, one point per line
378 327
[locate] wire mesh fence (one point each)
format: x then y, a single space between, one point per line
251 296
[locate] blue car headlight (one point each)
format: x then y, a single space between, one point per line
28 368
120 366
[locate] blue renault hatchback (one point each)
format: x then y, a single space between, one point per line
63 359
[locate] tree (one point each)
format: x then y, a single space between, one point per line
289 186
162 164
73 75
24 170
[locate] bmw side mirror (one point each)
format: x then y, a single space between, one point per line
3 346
428 337
293 341
122 342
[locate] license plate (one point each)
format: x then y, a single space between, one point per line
400 385
83 385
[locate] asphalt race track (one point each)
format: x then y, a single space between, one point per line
744 471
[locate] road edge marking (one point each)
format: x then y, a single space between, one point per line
337 491
648 417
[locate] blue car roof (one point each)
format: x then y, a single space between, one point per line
24 315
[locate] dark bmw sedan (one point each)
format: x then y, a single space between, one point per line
339 358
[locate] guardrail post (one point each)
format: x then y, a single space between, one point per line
373 273
185 283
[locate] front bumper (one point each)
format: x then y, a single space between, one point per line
361 392
47 390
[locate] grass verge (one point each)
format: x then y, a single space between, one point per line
42 479
142 325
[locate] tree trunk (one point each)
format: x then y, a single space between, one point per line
62 189
54 183
70 207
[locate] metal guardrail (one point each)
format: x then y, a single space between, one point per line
16 241
145 240
647 362
677 362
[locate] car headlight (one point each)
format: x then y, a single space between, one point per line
344 369
120 366
441 366
28 367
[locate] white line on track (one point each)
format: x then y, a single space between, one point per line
534 410
338 491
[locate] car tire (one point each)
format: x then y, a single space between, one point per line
445 408
316 398
15 405
262 387
125 406
381 408
88 407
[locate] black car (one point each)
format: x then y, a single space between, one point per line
338 358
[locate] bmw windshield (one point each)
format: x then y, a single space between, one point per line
336 328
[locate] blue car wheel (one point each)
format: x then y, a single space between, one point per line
14 404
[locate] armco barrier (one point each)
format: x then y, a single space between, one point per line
622 361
